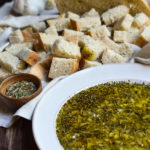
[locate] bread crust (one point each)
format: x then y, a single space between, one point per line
47 63
33 58
81 6
38 71
75 66
27 34
140 41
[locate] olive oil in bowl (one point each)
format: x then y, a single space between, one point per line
112 116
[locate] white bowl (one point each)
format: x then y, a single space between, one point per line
44 118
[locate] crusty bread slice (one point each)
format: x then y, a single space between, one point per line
51 30
124 23
39 26
114 14
11 62
29 56
60 24
62 66
144 37
16 37
62 48
4 74
83 24
91 13
82 6
120 36
99 32
87 64
110 57
38 71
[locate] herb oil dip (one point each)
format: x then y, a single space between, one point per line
21 89
111 116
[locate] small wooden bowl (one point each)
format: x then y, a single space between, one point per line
17 103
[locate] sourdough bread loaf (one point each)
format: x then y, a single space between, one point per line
82 6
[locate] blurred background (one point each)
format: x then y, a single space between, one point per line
4 1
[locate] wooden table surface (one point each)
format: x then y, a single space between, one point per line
19 136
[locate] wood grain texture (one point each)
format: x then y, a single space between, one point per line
18 137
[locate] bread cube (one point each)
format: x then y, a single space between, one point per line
110 44
47 62
62 66
27 34
51 30
124 23
120 36
60 24
73 39
133 33
29 56
144 37
110 57
99 32
39 26
11 62
72 15
141 19
126 50
88 64
14 49
83 24
44 41
38 71
4 74
91 49
16 37
62 48
91 13
114 14
72 36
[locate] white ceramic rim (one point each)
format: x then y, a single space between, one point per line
44 125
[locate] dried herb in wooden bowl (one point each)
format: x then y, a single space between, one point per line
21 89
111 116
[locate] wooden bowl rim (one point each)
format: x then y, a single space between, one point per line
37 92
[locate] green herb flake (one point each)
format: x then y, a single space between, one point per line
21 89
111 116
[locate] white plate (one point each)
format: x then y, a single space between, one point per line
46 112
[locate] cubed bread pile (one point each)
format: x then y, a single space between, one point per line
72 42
